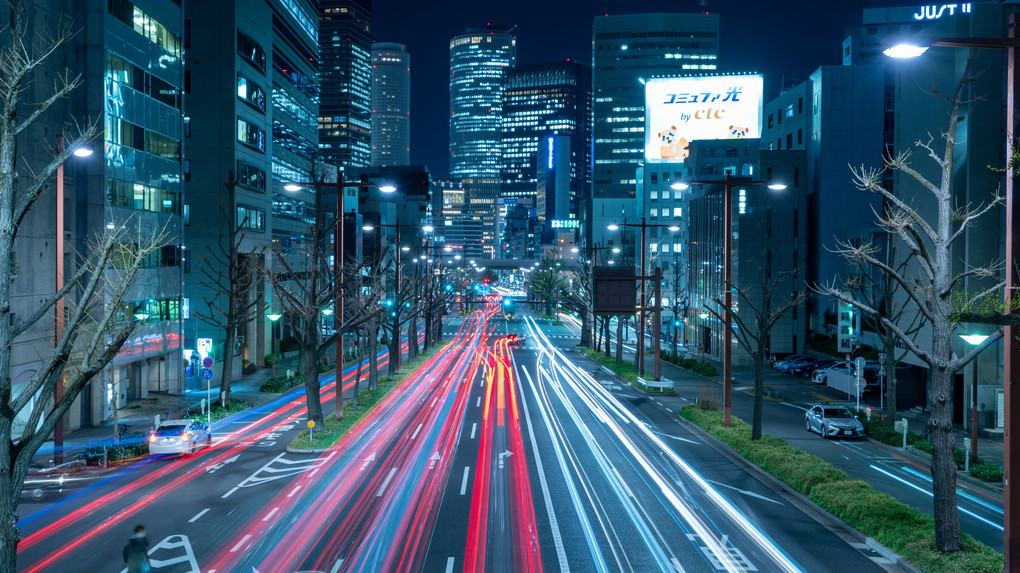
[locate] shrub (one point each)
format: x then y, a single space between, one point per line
270 358
986 472
705 369
280 383
688 363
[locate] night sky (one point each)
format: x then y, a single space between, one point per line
785 41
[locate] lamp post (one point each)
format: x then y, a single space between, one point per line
728 183
974 340
59 152
338 265
1011 364
643 225
273 317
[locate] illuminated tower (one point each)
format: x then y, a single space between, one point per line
391 104
345 112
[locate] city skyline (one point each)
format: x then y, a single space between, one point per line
785 45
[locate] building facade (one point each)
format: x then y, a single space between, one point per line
627 49
252 131
391 104
345 110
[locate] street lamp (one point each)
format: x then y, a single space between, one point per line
338 266
274 317
1011 364
640 358
728 183
974 340
396 283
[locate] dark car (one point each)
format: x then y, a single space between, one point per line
45 480
804 368
784 365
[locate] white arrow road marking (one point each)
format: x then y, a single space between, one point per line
212 468
678 438
432 460
368 460
503 456
174 543
290 468
745 492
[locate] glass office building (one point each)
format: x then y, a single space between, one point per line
345 112
391 104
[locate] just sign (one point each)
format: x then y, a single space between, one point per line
936 11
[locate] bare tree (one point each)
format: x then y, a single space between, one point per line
306 285
761 304
95 324
885 296
580 296
680 299
229 274
930 286
546 284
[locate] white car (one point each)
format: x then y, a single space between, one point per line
179 437
833 422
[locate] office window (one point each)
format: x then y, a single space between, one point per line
250 92
251 218
250 134
678 212
800 105
653 212
800 136
770 120
789 110
789 141
251 176
250 50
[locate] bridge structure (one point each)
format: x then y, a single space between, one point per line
518 264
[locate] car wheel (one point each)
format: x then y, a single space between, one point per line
825 431
807 425
38 494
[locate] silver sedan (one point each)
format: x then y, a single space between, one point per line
833 422
179 437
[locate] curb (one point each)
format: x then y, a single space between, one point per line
799 500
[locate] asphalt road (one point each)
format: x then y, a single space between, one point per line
488 458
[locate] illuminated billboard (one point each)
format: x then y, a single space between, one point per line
681 110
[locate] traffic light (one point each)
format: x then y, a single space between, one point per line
485 281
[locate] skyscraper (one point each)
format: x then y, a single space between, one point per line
391 104
345 111
626 50
542 100
479 60
253 131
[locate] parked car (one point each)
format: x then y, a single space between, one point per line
804 368
833 422
870 374
783 365
778 356
179 437
821 370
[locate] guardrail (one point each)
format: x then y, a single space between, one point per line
660 385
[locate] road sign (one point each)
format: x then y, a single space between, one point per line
188 370
207 362
207 374
311 423
204 345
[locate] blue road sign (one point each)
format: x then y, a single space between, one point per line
207 362
207 373
188 370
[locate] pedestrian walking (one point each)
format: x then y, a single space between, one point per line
136 552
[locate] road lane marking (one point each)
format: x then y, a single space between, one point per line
745 492
449 565
679 568
240 543
463 482
293 491
271 513
389 476
474 427
200 514
336 566
416 430
478 402
226 495
929 494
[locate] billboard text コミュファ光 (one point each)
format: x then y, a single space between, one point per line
681 110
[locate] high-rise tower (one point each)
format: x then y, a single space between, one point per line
391 104
479 60
345 112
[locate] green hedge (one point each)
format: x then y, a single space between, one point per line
281 383
892 523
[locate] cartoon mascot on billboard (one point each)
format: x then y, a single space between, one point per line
672 147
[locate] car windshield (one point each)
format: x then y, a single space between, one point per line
837 413
170 430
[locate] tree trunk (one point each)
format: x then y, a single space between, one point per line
412 337
619 340
357 373
889 344
373 354
943 464
228 362
759 388
428 329
585 328
605 336
312 386
394 349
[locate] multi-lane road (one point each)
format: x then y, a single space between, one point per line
489 457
